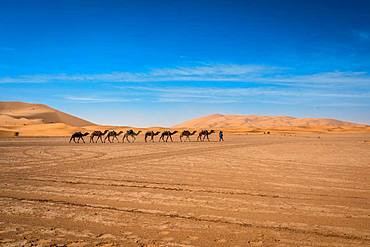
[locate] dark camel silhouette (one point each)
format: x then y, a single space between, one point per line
130 133
168 134
151 134
112 134
78 135
204 134
99 134
187 134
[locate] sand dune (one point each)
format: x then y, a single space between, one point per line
250 122
25 119
19 113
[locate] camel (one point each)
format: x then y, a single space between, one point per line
168 134
130 133
112 134
99 134
187 134
151 134
204 134
78 135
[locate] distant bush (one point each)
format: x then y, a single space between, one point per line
16 133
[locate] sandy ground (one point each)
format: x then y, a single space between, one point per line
252 190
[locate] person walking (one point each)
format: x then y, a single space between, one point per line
221 135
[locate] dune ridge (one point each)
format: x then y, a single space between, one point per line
254 121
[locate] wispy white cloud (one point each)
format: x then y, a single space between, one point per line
201 73
343 104
262 95
362 35
337 77
87 99
242 92
6 49
209 73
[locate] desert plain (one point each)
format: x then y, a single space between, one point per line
303 189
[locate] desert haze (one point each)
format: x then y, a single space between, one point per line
304 184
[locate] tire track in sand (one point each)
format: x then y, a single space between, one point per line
210 219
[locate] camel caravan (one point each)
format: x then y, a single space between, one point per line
130 136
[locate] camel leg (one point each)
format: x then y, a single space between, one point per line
134 139
70 139
145 137
188 138
83 139
171 138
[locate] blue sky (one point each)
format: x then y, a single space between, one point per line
147 63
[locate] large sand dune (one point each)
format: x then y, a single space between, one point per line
19 113
250 121
37 120
253 123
